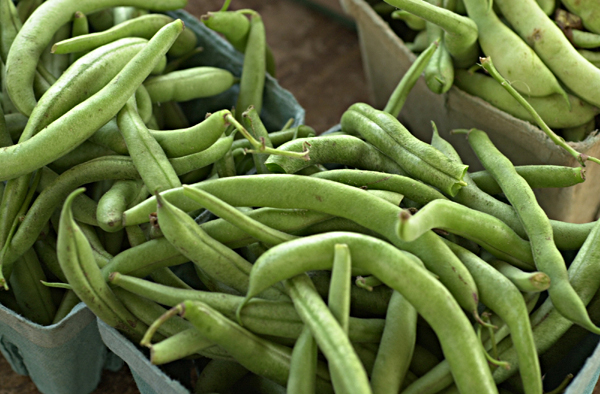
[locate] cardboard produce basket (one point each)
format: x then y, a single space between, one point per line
386 59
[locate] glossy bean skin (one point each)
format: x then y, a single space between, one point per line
316 252
552 109
144 26
525 281
42 25
341 149
546 256
114 202
331 198
44 147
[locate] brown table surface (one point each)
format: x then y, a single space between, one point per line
317 60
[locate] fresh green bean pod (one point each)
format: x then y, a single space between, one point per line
252 81
485 230
396 348
217 260
546 256
341 149
524 281
513 58
555 50
148 157
264 317
144 26
588 11
409 79
300 192
84 118
439 73
552 109
31 295
435 305
194 139
303 366
42 24
347 373
114 202
412 21
537 176
189 84
461 32
419 159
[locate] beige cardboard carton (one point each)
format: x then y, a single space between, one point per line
386 59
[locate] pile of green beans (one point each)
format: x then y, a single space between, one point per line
362 261
508 32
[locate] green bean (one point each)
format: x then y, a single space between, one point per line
258 355
46 252
591 56
220 375
95 243
419 44
536 176
32 296
84 208
347 150
42 25
67 304
485 230
525 281
552 109
412 21
101 20
434 304
419 159
189 84
439 71
85 152
347 373
265 317
512 56
194 139
114 202
10 26
218 261
194 161
148 157
338 299
254 69
588 11
15 123
235 27
280 137
103 168
144 26
76 261
579 133
257 128
110 137
396 347
567 236
222 209
80 27
546 256
144 103
409 79
551 45
303 366
500 295
44 147
372 180
461 32
329 197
